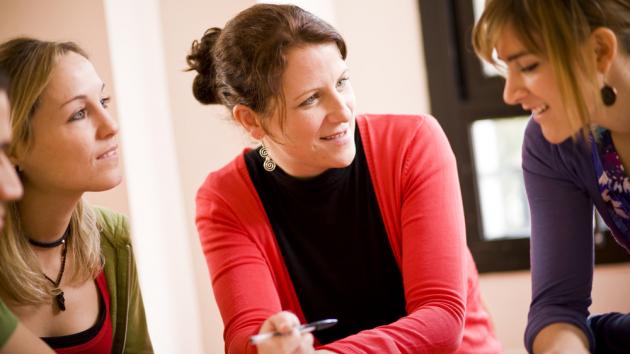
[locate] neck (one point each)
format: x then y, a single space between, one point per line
622 145
616 118
45 216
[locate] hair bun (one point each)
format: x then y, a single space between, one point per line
201 59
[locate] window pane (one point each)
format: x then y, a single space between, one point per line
478 6
497 155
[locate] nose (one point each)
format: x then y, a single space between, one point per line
341 107
514 91
10 185
107 125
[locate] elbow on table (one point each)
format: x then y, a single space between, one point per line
453 342
446 333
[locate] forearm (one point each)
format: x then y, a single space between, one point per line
560 338
427 330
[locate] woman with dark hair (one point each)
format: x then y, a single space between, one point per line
568 63
335 215
68 272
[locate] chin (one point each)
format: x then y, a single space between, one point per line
346 157
106 183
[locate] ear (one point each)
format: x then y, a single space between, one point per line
604 43
249 120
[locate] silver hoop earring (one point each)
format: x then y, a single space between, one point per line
609 95
269 165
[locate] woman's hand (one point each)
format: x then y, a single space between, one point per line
291 342
561 338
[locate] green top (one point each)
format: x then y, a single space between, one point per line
8 323
129 328
130 334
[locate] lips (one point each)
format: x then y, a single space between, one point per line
109 153
334 136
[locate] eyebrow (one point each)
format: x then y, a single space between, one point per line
515 56
77 97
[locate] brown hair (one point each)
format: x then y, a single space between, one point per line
244 62
556 30
29 63
4 82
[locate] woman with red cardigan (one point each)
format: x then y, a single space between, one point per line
335 215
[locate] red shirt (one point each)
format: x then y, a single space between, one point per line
101 343
414 174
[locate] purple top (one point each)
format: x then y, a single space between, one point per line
562 189
614 185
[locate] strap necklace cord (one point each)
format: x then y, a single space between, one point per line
61 301
61 240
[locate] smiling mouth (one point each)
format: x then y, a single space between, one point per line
110 153
540 110
335 136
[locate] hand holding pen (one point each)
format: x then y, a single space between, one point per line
304 328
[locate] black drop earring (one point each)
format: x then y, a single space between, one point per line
609 95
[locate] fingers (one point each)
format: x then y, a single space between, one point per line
283 322
291 341
306 344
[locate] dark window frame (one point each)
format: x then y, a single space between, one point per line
460 94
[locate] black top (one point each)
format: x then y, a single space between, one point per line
332 237
82 337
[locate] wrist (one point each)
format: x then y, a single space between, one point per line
561 338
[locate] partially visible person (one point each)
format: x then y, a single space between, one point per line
14 336
335 215
568 62
68 272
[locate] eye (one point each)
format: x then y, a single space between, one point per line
309 101
78 115
529 68
342 82
105 102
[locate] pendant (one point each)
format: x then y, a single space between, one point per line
61 301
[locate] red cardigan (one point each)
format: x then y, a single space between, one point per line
414 174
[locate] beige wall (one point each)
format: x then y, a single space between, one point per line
206 138
388 75
385 54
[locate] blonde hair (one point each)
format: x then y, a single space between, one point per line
29 63
557 30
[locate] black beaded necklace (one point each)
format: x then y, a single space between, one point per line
61 301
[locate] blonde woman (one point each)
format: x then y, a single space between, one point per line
569 63
67 269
